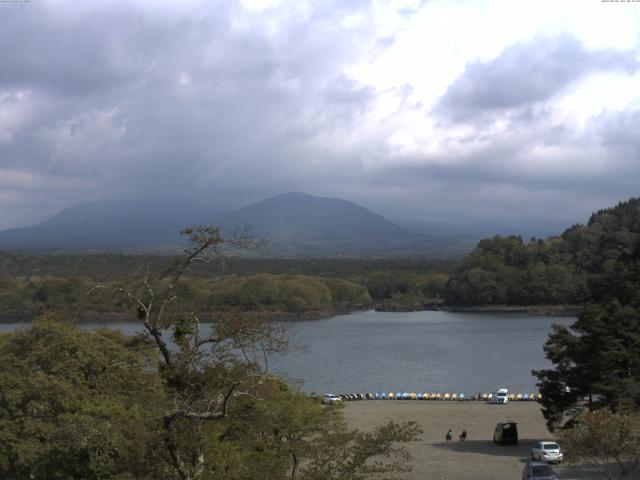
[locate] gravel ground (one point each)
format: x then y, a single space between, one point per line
477 458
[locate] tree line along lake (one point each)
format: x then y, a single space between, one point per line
432 351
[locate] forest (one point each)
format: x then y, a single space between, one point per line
30 285
573 268
501 271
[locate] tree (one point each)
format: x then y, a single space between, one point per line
606 440
78 405
206 378
596 363
340 454
598 358
226 415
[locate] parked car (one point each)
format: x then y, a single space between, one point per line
546 452
538 471
330 399
501 396
506 433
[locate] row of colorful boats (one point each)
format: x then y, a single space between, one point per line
487 397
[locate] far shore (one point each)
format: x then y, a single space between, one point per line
280 316
535 310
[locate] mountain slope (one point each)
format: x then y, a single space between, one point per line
294 224
580 265
303 217
112 224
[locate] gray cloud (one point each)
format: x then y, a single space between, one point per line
596 168
527 73
135 101
111 100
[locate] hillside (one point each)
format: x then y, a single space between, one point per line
304 217
576 267
111 225
295 225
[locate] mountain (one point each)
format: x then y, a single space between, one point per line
303 217
294 224
112 224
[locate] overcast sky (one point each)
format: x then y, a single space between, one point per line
436 110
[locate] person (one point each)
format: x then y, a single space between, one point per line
448 436
463 435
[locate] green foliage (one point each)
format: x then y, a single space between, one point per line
339 454
505 270
579 266
99 405
225 415
291 293
77 404
335 286
606 440
598 358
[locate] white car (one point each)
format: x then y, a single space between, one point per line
501 396
547 452
330 399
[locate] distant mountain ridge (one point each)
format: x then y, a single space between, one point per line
294 223
111 224
297 215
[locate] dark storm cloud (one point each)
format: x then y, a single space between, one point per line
70 50
527 73
134 101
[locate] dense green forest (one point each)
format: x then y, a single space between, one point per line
570 269
31 285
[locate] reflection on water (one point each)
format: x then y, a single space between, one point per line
411 351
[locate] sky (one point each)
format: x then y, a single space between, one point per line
442 110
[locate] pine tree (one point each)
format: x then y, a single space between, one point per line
597 361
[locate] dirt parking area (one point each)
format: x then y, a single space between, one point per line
477 458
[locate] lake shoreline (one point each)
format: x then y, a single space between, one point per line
285 317
533 310
205 317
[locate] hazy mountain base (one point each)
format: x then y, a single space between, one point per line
297 225
273 248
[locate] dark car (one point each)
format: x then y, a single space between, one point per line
506 433
538 471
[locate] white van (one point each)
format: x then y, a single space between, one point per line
501 396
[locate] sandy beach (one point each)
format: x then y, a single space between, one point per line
477 458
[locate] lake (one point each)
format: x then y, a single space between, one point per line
411 351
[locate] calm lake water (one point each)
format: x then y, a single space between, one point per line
412 351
